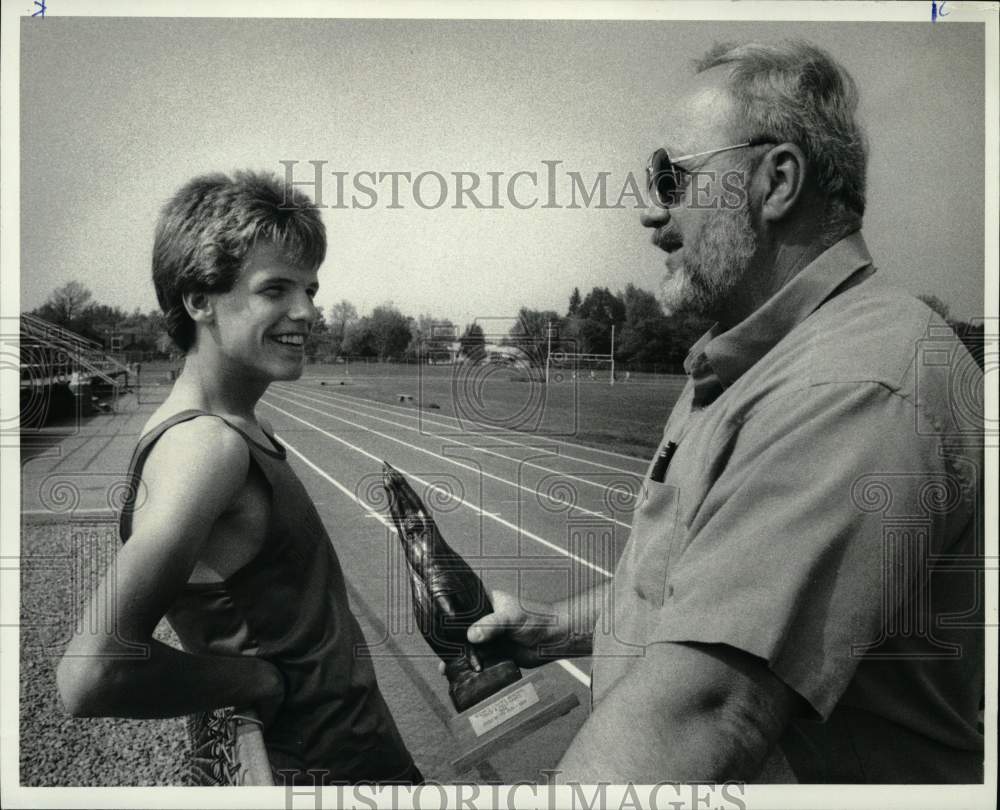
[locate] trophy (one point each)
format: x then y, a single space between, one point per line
496 704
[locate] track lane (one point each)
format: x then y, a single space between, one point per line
378 449
373 564
594 456
387 523
558 459
541 487
508 468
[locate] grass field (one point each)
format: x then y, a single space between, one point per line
65 547
627 417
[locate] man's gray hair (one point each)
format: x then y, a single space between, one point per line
797 93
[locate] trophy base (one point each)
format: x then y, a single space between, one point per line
469 688
508 715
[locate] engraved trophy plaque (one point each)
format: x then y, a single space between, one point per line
496 704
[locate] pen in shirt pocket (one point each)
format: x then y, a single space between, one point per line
659 471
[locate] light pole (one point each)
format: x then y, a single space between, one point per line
612 354
548 350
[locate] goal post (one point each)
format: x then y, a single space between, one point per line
591 363
580 366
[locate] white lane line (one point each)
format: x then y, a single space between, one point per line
625 492
107 510
446 493
491 431
477 470
424 419
492 428
570 667
484 450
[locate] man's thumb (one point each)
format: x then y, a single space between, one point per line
480 631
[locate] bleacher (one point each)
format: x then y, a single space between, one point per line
59 366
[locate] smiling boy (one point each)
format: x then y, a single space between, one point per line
219 535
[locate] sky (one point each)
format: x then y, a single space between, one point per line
117 113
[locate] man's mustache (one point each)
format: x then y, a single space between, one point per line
667 239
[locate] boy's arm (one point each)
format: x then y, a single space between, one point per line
114 667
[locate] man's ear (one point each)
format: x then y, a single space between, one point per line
782 173
200 307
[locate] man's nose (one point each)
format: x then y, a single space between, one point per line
655 215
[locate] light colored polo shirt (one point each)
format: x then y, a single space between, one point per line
822 511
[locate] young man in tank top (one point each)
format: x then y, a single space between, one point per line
218 534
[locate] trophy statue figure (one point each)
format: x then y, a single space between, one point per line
447 598
496 706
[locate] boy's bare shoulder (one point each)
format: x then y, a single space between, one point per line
202 453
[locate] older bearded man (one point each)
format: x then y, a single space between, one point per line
772 616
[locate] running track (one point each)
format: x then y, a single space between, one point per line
531 514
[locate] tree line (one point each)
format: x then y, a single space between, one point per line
72 306
644 337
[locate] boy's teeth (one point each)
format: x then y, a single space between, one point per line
291 340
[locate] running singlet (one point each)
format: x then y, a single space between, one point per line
289 605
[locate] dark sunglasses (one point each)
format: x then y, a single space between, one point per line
666 180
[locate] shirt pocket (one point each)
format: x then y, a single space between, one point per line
654 527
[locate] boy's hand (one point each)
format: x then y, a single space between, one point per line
268 707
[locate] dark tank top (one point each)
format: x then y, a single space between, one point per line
289 605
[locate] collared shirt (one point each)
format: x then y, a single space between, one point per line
820 511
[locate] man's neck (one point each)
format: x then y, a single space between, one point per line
772 270
789 261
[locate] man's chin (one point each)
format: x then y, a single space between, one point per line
676 295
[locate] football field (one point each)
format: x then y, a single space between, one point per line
533 484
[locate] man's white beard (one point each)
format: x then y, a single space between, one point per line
714 265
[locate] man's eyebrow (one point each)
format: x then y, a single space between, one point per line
674 146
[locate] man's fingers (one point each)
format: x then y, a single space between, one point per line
507 618
483 630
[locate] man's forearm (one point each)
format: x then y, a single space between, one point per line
162 682
716 746
682 713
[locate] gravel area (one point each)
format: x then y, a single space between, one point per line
56 749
